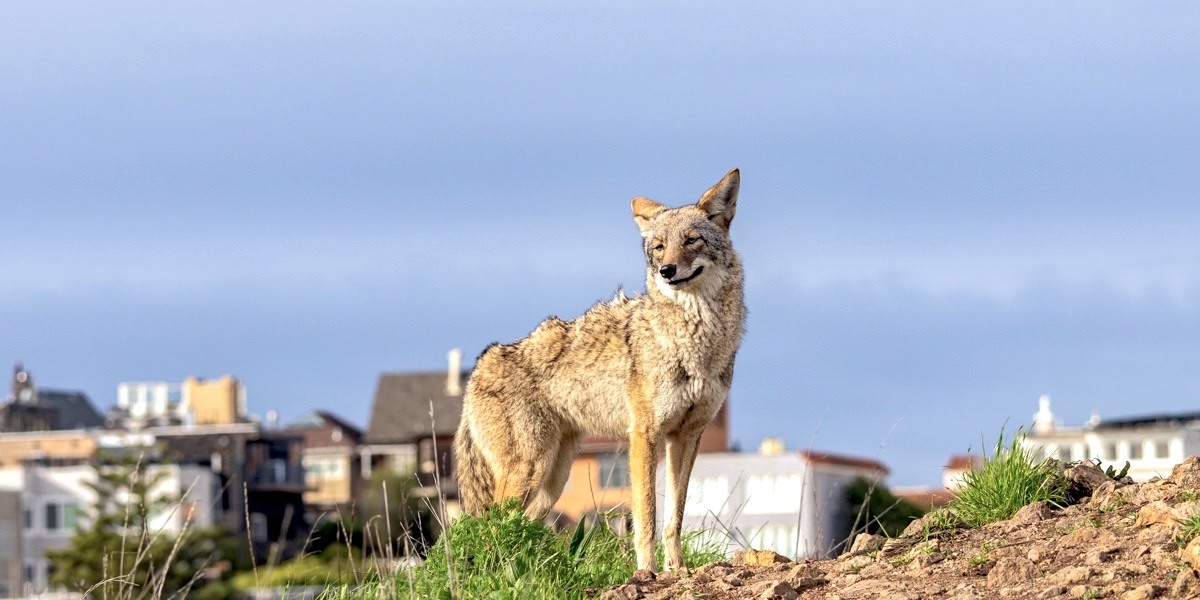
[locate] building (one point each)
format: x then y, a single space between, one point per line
331 459
791 502
29 408
413 420
1152 444
257 477
11 556
142 404
55 499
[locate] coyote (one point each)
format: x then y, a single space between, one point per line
653 367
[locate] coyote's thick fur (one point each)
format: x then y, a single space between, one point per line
655 368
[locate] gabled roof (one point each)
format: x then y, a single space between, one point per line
322 418
400 412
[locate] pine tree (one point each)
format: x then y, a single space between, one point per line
120 554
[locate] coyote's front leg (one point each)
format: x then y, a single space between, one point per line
643 461
681 455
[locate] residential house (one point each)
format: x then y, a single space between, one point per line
28 407
413 420
257 477
11 556
331 459
791 502
56 499
1151 444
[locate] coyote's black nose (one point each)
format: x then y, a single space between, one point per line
667 271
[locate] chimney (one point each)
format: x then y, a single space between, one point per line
771 447
454 373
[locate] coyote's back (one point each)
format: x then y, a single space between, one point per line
655 368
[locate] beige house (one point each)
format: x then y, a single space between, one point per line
66 447
332 468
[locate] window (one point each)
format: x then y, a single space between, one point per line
1162 449
1063 454
706 495
1135 449
258 527
51 516
72 515
27 518
1110 451
29 574
614 470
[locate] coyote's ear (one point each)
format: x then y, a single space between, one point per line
720 202
645 209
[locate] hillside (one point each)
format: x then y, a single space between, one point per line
1115 539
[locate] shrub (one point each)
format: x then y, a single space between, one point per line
1009 479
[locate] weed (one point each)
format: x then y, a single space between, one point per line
1118 503
1189 529
1092 594
1189 495
1111 471
903 560
1008 480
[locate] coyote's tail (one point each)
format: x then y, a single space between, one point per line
475 479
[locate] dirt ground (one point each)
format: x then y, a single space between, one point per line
1118 540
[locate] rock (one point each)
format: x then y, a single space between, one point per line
1010 571
867 542
1032 513
896 546
622 592
804 571
1143 592
807 583
1187 473
1052 592
1039 553
716 569
1155 513
758 558
1191 553
1085 478
642 576
1086 536
1072 575
1187 584
780 590
1185 511
1095 557
855 564
924 560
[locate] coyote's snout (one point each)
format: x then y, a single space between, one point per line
655 368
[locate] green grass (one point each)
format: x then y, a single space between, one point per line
1189 529
1009 479
503 555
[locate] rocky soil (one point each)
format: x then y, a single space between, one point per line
1117 540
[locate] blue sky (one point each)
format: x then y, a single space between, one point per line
947 209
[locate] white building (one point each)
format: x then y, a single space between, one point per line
1152 444
791 502
55 500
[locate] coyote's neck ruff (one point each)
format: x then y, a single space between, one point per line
655 368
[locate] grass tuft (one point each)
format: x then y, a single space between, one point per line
1009 479
504 555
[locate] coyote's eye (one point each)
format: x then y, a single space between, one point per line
660 246
691 240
